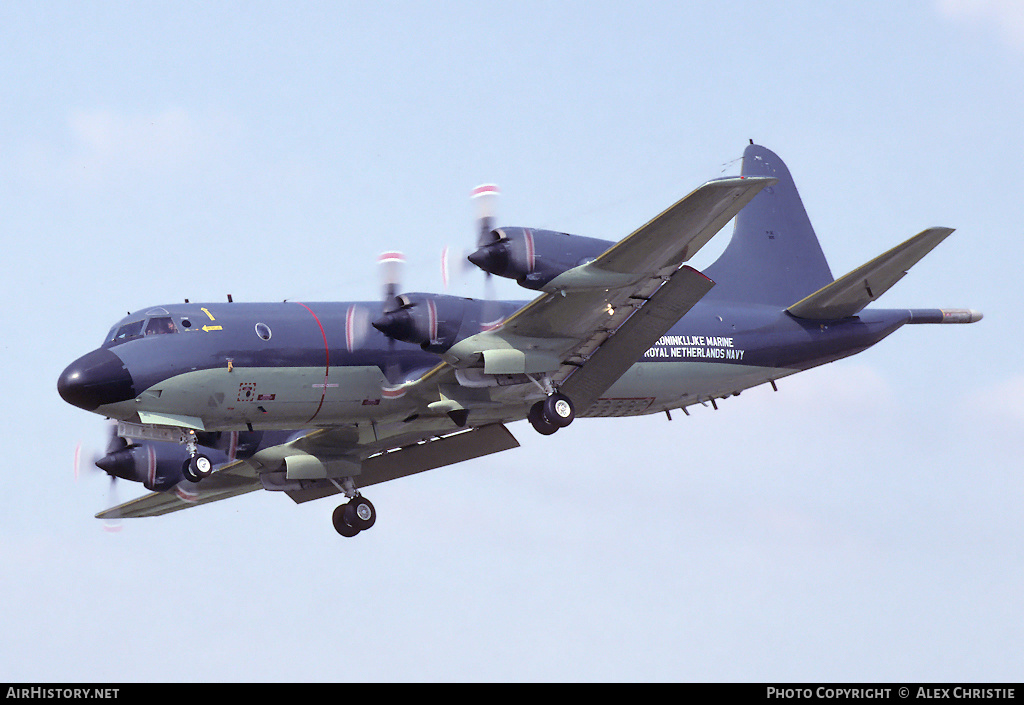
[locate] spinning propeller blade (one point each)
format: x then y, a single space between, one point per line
97 462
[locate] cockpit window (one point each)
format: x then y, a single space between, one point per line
158 325
128 331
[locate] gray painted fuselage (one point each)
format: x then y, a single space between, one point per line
220 372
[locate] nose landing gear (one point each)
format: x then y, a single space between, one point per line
196 468
198 465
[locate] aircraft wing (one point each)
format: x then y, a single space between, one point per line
229 481
304 468
596 320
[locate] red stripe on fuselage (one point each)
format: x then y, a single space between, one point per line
327 359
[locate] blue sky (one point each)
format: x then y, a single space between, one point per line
860 524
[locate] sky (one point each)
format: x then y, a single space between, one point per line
860 524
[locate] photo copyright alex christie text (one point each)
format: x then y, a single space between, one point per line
932 693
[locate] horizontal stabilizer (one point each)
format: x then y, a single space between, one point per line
849 294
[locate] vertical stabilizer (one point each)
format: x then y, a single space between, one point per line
774 257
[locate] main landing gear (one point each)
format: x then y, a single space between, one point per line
552 413
355 515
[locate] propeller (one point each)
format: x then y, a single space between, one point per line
454 265
391 265
457 261
486 198
112 526
114 444
108 463
359 317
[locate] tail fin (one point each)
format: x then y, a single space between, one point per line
774 257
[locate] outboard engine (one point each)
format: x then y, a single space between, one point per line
158 466
534 257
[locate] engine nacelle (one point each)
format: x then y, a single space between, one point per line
158 466
436 322
432 321
535 257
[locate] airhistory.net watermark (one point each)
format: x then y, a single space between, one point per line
51 693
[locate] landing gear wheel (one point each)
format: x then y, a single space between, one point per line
340 525
354 516
196 468
559 410
360 513
540 421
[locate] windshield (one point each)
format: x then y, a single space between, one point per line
128 331
158 325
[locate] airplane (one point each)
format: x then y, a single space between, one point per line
213 400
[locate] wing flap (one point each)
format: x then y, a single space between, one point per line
420 457
849 294
636 335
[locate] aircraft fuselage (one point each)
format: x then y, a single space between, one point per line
290 365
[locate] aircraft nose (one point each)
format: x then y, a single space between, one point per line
96 379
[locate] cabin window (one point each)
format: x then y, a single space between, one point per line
263 331
159 325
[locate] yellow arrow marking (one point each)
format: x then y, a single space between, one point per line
207 312
207 329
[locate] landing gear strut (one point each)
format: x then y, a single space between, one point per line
552 413
198 465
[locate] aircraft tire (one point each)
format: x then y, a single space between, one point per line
186 470
196 468
540 421
340 525
558 409
359 513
